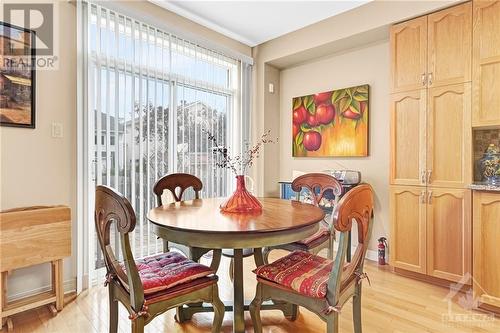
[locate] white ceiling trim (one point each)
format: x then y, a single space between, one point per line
204 22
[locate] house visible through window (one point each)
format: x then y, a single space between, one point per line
151 95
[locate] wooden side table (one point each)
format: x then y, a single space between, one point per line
31 236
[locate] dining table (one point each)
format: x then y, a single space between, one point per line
200 224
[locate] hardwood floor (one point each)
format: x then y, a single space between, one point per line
391 304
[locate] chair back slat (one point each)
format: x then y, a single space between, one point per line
356 205
112 207
177 183
318 184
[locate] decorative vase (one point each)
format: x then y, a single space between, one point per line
241 201
490 165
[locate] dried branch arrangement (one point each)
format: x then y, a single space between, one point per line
238 164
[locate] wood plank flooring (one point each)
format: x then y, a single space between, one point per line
392 304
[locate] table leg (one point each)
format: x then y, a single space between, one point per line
258 257
238 301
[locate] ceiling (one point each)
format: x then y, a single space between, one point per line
255 22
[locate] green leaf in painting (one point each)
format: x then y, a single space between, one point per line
344 103
309 104
297 101
299 139
305 128
337 94
355 106
360 97
362 89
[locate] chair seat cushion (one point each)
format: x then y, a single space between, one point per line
166 270
319 237
303 272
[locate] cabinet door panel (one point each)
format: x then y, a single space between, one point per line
409 55
449 136
486 63
408 138
408 228
450 45
449 233
486 247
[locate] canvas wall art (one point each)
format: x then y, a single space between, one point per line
17 76
333 123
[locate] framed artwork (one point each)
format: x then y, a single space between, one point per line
17 76
332 123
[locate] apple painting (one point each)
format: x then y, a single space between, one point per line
332 123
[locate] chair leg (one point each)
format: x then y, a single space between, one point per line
231 270
138 325
113 312
255 309
180 317
219 310
332 323
265 254
356 310
294 312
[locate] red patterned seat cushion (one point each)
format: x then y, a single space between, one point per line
300 271
322 233
166 270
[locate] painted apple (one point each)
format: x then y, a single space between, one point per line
312 140
321 98
312 120
299 115
350 114
296 130
325 113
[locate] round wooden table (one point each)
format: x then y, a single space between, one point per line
200 224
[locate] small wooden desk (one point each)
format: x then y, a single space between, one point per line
200 223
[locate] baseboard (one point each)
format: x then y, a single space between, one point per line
371 255
68 285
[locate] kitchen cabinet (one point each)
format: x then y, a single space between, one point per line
486 63
486 226
408 135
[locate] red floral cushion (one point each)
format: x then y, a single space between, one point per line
323 232
166 270
300 271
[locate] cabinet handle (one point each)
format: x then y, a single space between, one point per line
422 197
429 174
423 79
430 78
429 197
422 177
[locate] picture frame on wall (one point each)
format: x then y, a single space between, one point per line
334 123
17 76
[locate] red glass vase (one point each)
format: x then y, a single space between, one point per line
241 201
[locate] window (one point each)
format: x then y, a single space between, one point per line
150 96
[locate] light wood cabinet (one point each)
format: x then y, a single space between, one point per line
449 157
431 231
486 63
449 241
450 46
486 247
408 239
408 42
408 129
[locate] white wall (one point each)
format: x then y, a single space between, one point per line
367 65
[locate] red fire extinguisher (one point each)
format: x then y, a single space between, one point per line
382 245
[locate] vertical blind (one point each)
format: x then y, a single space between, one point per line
151 97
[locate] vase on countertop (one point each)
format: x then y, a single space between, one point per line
241 201
490 165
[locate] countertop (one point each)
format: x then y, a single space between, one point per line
484 187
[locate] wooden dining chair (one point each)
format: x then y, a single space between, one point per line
149 286
318 184
319 284
177 184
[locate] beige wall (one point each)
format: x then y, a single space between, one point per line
368 65
36 169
